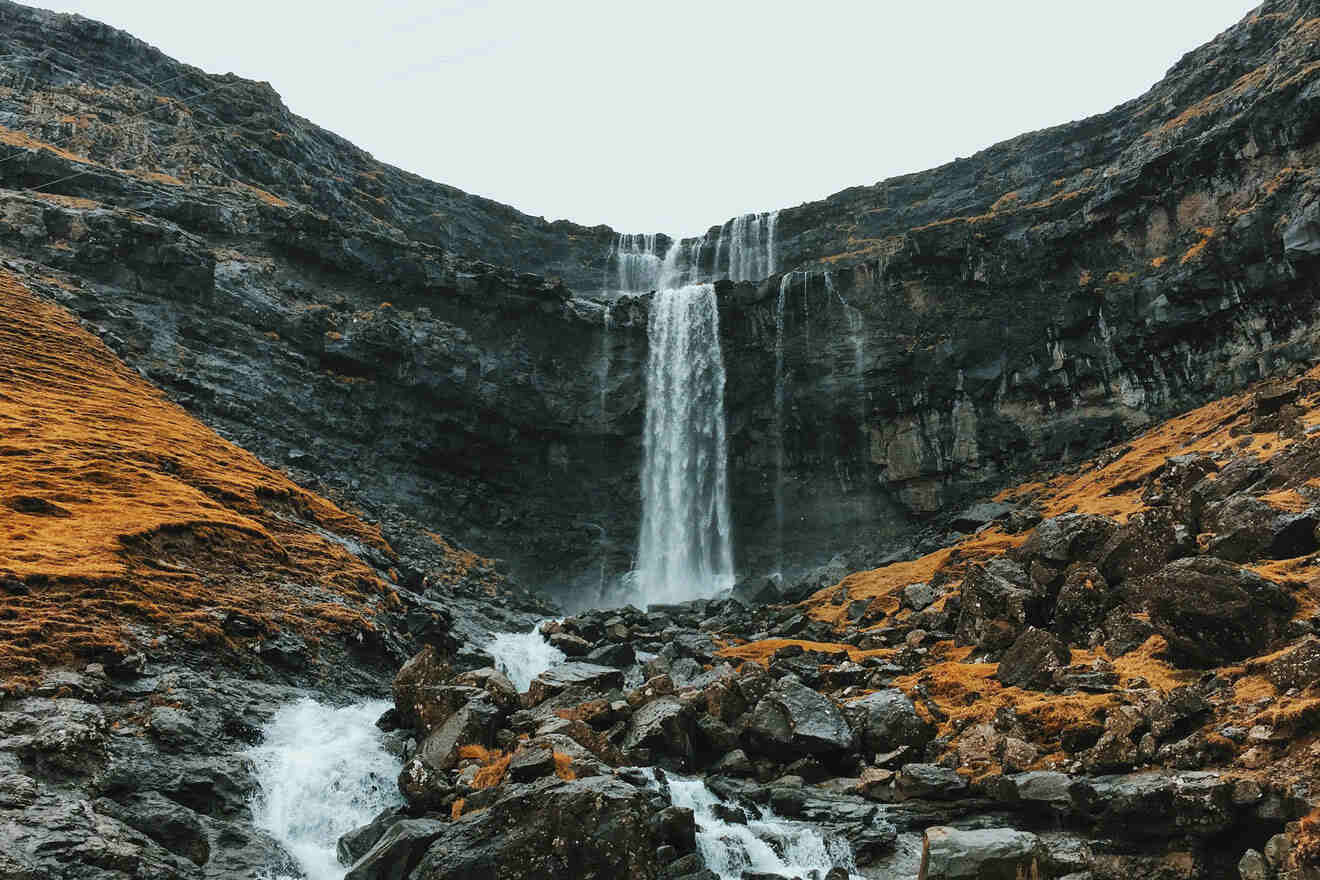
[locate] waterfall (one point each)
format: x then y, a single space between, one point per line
766 844
523 656
637 261
685 549
751 246
322 771
784 284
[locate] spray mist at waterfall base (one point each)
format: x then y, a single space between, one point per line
322 771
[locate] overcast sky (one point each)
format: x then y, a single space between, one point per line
675 116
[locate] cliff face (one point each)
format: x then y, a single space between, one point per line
942 332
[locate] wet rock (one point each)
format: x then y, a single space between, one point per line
356 843
888 720
930 782
1124 632
397 851
574 674
757 591
495 683
735 763
1213 612
661 726
172 825
986 854
474 724
594 829
920 596
1296 667
1032 660
527 764
416 683
981 514
999 601
620 656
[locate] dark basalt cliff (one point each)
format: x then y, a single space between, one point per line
942 332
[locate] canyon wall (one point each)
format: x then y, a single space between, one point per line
428 354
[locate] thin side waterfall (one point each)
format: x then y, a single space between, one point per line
685 550
784 283
751 246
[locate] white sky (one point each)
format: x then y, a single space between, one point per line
675 116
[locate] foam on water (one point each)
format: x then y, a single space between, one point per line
523 656
321 772
766 844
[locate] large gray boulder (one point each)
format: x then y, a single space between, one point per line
888 719
793 717
985 854
573 675
1032 660
999 600
661 726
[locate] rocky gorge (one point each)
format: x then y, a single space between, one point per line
1020 465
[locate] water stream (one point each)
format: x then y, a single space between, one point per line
764 844
321 772
523 656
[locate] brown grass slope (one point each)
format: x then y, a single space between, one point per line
124 520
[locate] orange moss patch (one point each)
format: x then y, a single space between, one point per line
564 767
494 765
1207 233
968 694
1157 262
1251 688
1118 277
125 517
27 142
883 585
1144 663
762 651
267 197
456 809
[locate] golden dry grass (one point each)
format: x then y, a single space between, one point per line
122 516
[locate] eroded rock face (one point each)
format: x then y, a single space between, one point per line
958 342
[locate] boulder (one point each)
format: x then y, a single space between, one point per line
755 592
502 692
474 724
415 685
599 828
984 854
1212 612
999 601
1063 540
570 645
795 716
1032 660
888 720
1295 667
574 674
527 764
397 851
930 782
661 726
1145 543
354 844
1083 601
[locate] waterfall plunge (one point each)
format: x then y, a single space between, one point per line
685 550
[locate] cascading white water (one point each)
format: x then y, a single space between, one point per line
685 550
523 656
638 263
766 844
751 246
784 283
321 772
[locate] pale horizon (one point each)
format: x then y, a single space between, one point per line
675 122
